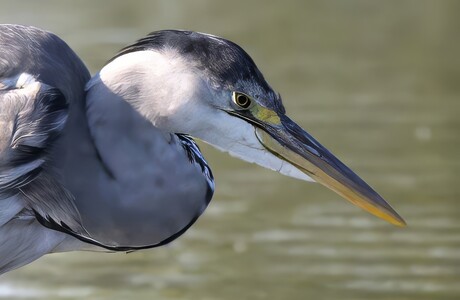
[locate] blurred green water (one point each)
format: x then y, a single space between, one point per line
376 82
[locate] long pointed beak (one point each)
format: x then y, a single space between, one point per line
290 142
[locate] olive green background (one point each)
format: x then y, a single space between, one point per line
377 82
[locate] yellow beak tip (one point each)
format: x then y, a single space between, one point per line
393 218
399 222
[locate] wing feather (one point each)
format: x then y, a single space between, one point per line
35 114
40 76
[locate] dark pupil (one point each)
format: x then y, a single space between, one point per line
243 101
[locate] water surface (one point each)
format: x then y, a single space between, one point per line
377 82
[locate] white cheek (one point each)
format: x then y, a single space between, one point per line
238 138
158 85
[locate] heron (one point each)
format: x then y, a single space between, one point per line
110 162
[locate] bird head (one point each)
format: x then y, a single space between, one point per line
210 88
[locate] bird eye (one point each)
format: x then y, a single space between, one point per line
241 100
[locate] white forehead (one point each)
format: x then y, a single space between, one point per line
163 74
153 62
161 85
